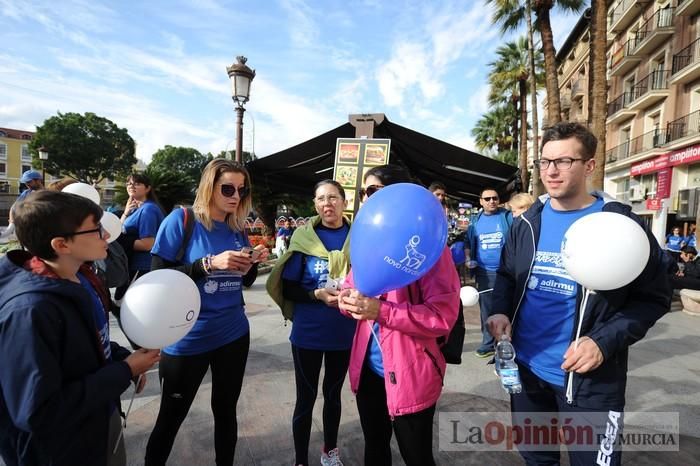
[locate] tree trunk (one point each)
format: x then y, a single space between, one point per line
522 162
537 187
598 87
514 145
550 66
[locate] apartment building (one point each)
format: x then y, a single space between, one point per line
653 139
14 158
653 124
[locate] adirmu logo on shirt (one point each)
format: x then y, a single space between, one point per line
549 275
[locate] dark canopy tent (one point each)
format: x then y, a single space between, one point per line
297 169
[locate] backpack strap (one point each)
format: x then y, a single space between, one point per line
188 224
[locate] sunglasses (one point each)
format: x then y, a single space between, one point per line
229 190
99 230
490 198
371 189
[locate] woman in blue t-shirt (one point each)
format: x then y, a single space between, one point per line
311 274
218 258
674 242
141 218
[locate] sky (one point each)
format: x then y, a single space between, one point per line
158 68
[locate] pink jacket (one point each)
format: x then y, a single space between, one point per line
410 321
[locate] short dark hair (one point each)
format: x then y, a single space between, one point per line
488 188
567 130
689 250
389 174
45 215
435 185
331 182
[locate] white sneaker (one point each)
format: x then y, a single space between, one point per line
332 458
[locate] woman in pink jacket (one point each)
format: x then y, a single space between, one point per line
396 366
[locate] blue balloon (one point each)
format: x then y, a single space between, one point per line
457 250
396 238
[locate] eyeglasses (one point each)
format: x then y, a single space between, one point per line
559 164
490 198
229 190
371 189
332 198
99 230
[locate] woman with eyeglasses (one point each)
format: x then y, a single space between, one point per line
305 283
141 218
218 258
396 366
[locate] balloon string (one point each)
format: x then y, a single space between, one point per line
126 416
582 311
486 291
376 338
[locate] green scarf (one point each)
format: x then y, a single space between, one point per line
306 241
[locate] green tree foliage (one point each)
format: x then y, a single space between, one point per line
86 147
493 131
184 160
247 156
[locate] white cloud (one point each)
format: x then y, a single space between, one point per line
479 101
303 30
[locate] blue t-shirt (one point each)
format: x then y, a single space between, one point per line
284 232
144 221
222 316
24 194
673 242
98 312
490 237
374 355
546 321
317 326
691 241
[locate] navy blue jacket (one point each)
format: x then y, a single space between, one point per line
614 319
56 389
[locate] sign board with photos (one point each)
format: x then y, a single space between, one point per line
353 158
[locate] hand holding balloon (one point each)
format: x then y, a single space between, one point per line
582 356
361 307
142 360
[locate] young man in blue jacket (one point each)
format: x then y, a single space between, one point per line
538 303
61 376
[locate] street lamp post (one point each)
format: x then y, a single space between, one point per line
241 76
43 156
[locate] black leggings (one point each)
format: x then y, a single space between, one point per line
307 367
414 432
180 377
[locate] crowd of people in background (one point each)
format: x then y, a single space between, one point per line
65 410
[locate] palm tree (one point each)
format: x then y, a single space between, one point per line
598 85
510 14
509 78
537 186
492 131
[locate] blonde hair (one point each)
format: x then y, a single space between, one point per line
522 200
205 192
60 184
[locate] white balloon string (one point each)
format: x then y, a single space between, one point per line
376 338
582 311
486 291
126 416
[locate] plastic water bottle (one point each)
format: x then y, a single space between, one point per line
506 367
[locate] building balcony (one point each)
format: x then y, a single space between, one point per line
623 15
624 59
654 139
654 31
683 127
650 90
565 100
687 7
618 109
579 89
686 64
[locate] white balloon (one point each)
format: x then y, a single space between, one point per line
112 224
160 308
84 190
469 295
605 250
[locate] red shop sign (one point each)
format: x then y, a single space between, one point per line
653 204
650 165
663 183
688 155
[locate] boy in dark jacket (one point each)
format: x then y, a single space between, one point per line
61 377
572 353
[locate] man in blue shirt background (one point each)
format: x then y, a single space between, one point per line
485 239
33 180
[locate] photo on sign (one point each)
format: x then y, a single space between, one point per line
349 153
376 154
350 199
346 176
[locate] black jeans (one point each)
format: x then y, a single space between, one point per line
307 368
180 377
540 396
414 432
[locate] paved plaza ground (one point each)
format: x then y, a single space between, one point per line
664 376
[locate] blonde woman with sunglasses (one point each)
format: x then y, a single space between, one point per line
219 259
